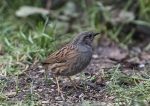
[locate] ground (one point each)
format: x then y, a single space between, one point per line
37 85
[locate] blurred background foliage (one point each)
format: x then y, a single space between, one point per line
30 37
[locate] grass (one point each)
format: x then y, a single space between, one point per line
131 90
30 39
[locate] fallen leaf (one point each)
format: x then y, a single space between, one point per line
121 16
25 11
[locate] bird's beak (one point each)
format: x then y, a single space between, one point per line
96 34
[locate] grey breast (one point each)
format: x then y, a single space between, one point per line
86 55
81 61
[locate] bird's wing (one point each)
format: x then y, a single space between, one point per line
66 53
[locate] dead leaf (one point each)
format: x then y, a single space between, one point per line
25 11
121 17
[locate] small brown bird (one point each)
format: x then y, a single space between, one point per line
72 58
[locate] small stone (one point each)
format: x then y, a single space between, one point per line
58 98
42 71
40 90
81 95
77 78
45 102
40 66
95 56
10 94
52 90
141 65
52 86
107 82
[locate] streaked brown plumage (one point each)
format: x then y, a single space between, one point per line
72 58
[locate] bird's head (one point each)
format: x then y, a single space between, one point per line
85 38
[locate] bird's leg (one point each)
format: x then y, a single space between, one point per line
58 87
73 83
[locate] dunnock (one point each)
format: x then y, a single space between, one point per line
72 58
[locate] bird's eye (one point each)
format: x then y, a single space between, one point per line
87 37
90 35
